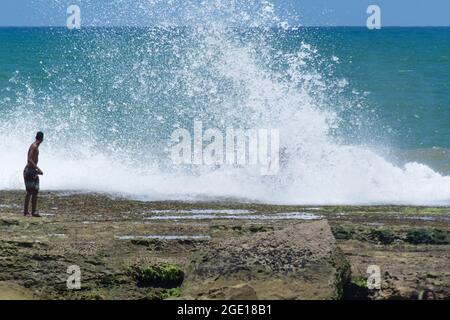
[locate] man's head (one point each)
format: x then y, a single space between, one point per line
40 136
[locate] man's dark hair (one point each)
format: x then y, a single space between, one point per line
40 136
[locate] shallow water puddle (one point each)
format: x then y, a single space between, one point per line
59 235
438 218
9 206
278 216
191 224
203 211
164 237
47 214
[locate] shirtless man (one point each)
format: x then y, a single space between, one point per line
31 176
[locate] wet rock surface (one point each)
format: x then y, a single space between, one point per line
296 262
257 258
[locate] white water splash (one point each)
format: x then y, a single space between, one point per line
224 80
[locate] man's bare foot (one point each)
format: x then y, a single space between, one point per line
36 215
27 214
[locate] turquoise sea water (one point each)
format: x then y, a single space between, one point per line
118 93
403 72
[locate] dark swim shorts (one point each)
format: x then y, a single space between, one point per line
31 178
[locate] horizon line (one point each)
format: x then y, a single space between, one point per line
299 26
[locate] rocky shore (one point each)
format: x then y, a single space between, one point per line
219 250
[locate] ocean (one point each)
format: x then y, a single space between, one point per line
363 116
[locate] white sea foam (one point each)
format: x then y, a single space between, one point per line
317 169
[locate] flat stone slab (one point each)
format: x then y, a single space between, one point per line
299 262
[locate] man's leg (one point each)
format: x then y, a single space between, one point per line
27 203
34 199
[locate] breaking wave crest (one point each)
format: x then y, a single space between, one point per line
108 100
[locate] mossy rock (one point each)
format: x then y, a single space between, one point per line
428 236
163 276
170 293
441 236
425 210
257 228
342 232
343 273
383 236
163 294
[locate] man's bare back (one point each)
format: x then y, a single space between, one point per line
31 176
33 157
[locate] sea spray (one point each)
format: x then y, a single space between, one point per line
110 98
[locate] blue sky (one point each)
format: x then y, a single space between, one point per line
312 12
